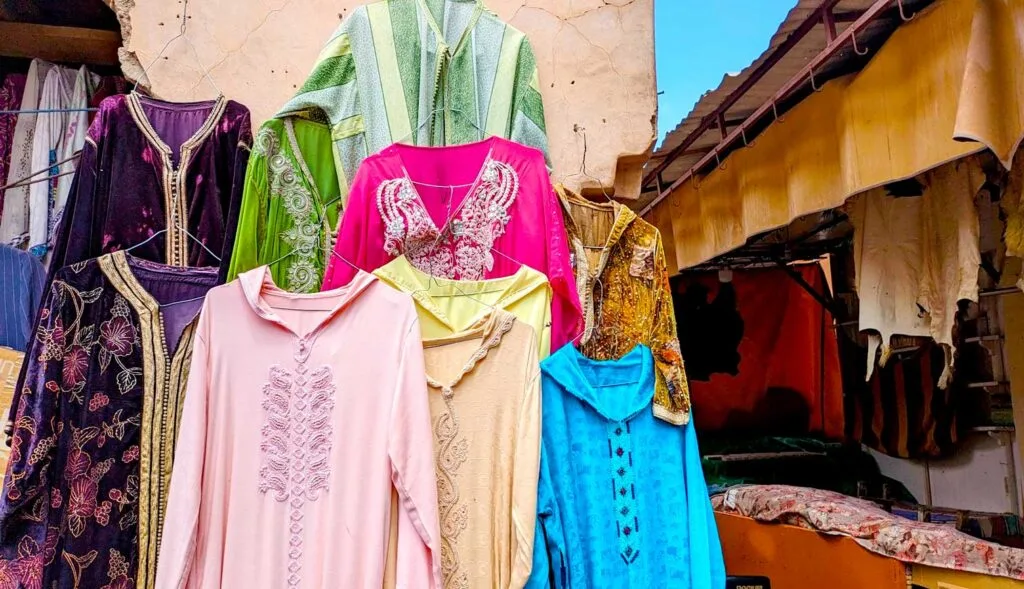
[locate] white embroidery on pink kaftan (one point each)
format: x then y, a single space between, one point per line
463 250
296 444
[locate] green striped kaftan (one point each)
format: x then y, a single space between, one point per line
426 72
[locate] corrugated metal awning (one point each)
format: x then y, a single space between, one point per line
805 21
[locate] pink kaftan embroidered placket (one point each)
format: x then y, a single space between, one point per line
466 212
302 413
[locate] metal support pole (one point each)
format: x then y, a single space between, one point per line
824 302
829 20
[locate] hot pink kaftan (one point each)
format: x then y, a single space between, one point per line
302 412
465 212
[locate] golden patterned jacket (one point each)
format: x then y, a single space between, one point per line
623 285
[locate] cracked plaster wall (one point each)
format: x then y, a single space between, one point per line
596 60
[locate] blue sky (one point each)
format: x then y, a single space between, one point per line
699 41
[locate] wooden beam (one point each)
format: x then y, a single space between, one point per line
845 17
60 44
703 151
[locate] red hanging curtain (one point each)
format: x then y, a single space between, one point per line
761 353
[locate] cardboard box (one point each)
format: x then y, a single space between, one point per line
10 365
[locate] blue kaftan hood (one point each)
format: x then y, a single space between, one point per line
616 389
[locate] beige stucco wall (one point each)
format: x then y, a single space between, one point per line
596 60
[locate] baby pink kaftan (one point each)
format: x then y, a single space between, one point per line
301 413
465 212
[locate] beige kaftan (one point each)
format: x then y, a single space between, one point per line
485 405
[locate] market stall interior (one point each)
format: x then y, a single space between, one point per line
854 244
412 300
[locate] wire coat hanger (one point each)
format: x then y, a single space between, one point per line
175 303
147 240
455 284
442 232
346 260
440 110
29 182
45 111
197 240
151 238
327 249
332 252
183 230
182 30
414 134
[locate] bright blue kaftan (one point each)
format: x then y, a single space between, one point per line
622 499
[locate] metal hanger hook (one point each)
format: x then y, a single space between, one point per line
775 111
743 133
721 166
903 14
814 84
857 49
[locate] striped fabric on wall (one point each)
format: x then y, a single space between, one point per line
901 411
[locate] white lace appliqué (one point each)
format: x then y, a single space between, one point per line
296 446
464 251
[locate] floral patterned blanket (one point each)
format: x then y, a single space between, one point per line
873 528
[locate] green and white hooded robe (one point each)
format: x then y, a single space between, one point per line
425 72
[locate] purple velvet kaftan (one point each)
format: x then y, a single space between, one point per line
96 425
149 165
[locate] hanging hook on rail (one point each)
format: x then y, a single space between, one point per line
775 111
814 84
903 14
857 49
743 133
721 166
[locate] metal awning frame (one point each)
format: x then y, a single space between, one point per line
823 15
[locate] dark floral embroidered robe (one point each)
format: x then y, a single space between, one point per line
149 165
96 424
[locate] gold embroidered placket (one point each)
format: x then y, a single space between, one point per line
174 178
163 381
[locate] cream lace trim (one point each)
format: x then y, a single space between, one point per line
503 325
452 452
